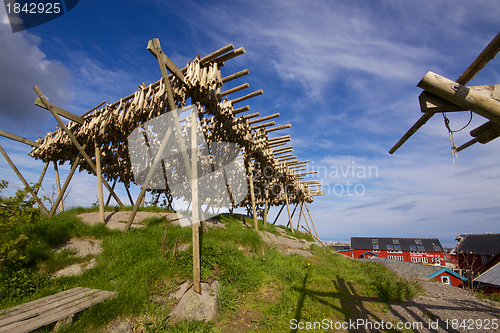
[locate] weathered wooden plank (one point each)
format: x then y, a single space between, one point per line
41 310
158 53
195 218
19 138
279 138
61 112
39 302
432 103
57 314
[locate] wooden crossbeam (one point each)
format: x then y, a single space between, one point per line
235 89
282 152
287 158
272 116
230 55
50 107
277 128
251 115
158 54
216 54
279 150
271 123
235 75
244 98
61 112
279 138
242 109
91 110
305 173
19 139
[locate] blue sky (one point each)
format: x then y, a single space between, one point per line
342 73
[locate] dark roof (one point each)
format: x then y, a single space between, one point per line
417 244
487 244
491 276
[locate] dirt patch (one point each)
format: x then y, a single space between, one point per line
118 220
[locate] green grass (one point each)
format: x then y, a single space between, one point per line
257 282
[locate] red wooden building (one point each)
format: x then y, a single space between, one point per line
417 250
478 253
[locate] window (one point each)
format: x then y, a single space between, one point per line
484 259
421 249
375 247
436 261
399 258
390 247
418 241
419 260
375 241
395 241
413 248
397 247
445 279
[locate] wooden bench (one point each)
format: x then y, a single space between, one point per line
59 307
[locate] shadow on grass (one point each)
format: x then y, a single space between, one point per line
358 318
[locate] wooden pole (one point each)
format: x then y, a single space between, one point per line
276 219
266 207
42 175
28 187
109 195
148 179
461 95
73 140
288 209
66 183
129 196
100 195
194 200
252 194
300 214
312 222
58 185
308 226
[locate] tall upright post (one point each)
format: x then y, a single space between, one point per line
252 194
42 175
100 195
288 208
194 200
266 207
312 222
305 218
58 185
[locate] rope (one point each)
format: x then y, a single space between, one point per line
454 151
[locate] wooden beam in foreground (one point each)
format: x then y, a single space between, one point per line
19 139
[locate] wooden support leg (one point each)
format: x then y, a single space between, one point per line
300 214
252 196
50 107
129 196
305 218
42 175
58 185
99 180
109 195
143 200
66 183
312 222
148 179
288 209
28 187
266 207
276 219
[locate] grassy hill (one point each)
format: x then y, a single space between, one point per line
261 289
